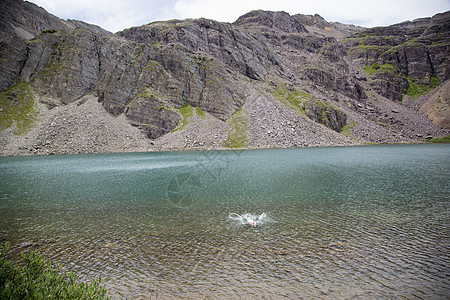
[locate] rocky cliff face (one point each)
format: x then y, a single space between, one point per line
400 57
320 83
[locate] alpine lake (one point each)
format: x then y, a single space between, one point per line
365 222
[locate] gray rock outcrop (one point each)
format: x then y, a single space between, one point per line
402 56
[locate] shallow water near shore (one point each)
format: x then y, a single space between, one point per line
362 222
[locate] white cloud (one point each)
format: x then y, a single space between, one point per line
116 15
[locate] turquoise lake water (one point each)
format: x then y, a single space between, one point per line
346 222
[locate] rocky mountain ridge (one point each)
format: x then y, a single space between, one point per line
267 80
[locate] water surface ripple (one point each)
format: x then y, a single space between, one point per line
350 222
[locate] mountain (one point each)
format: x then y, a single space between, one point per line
269 79
26 20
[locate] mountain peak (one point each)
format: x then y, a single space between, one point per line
26 20
283 22
277 21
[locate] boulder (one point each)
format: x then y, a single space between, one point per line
151 116
325 114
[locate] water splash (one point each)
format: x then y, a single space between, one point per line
249 219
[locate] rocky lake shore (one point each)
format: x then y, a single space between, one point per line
84 127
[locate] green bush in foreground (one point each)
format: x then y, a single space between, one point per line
36 278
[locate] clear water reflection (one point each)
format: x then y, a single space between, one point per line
363 222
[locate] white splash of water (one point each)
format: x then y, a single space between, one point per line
249 219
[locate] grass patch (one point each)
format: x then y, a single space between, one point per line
186 111
237 135
202 61
149 93
200 113
363 47
417 89
439 140
36 278
17 107
293 98
51 69
152 65
377 68
347 130
138 53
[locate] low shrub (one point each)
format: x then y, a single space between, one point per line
36 278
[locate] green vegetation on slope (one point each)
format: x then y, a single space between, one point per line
152 66
186 111
150 93
17 107
439 140
415 90
347 130
374 68
36 278
200 113
293 98
372 49
237 135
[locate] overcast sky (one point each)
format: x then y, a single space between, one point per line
115 15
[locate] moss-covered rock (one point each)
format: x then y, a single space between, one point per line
292 97
326 114
149 114
309 106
